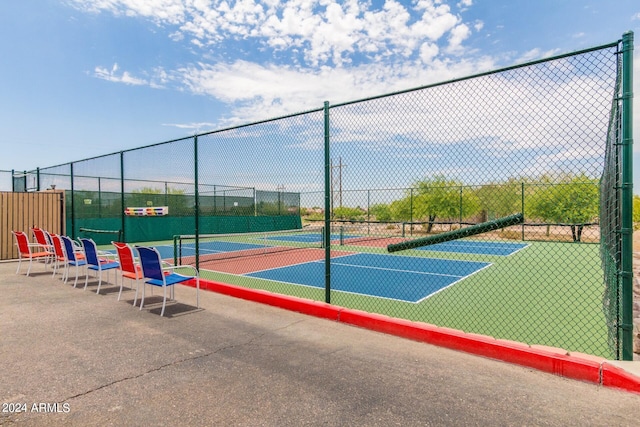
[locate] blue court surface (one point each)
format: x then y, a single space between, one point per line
410 279
476 247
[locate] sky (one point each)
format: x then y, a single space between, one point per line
83 78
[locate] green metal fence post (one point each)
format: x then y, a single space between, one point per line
410 214
73 210
99 198
122 201
327 207
522 206
196 207
627 197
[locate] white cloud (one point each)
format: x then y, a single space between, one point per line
327 32
165 11
338 50
458 34
428 51
258 91
112 76
536 53
195 127
465 4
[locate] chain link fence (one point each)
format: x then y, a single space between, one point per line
537 144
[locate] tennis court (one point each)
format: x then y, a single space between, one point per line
378 275
271 257
296 257
476 247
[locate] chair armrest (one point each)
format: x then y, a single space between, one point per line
39 245
177 267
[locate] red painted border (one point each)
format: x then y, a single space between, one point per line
313 308
613 376
554 361
512 352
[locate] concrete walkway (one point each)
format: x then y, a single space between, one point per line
71 357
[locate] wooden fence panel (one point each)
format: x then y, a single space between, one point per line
22 211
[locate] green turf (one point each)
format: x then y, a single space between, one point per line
547 294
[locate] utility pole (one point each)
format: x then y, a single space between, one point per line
280 190
336 181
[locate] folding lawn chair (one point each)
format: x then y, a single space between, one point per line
74 259
128 267
25 250
157 275
96 261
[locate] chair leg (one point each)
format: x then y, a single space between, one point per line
144 286
121 283
55 267
77 273
135 298
86 279
99 273
164 301
29 267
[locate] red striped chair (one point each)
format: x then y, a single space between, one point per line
25 250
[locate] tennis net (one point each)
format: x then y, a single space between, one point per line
101 237
214 247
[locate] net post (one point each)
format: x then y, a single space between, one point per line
175 250
626 272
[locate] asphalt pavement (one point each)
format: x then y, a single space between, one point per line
75 358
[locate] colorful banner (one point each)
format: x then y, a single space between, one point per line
150 211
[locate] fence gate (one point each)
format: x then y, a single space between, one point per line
22 211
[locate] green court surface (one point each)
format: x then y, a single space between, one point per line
522 297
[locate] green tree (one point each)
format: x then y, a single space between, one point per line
573 201
501 199
381 212
439 197
636 211
346 213
400 210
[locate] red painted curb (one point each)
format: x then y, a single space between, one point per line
613 376
480 345
313 308
587 368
